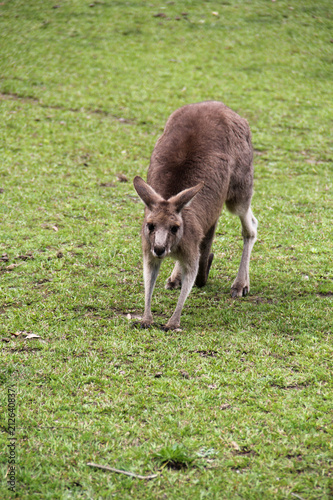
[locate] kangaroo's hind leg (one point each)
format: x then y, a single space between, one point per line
241 285
206 257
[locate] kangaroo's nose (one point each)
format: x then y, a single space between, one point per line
159 251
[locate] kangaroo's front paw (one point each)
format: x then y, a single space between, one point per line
173 284
238 290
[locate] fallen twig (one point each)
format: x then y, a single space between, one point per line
297 496
131 474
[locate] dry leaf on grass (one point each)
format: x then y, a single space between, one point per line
12 266
17 334
27 256
225 406
122 178
235 445
133 316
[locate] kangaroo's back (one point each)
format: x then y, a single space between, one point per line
203 142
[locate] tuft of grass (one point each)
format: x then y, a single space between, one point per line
174 456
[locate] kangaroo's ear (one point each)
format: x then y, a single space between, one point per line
147 194
185 197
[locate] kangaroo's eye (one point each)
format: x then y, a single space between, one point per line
151 227
174 229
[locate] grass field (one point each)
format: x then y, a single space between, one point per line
239 403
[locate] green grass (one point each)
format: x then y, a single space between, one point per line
241 399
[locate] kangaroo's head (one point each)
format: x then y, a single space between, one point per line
163 224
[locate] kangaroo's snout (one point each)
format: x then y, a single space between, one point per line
159 251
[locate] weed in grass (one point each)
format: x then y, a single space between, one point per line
174 456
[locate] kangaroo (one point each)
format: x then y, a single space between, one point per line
202 161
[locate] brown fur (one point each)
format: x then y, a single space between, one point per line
206 147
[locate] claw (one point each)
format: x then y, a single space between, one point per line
166 328
239 291
173 285
138 324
